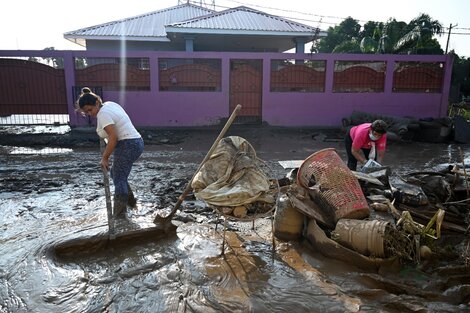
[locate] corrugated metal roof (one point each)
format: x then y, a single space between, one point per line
149 26
242 19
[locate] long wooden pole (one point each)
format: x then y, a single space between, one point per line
159 219
107 193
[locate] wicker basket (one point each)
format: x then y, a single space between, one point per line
339 188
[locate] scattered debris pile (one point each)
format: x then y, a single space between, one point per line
407 128
372 218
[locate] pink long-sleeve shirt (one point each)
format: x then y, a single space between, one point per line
360 138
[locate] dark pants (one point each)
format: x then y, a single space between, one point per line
352 161
125 154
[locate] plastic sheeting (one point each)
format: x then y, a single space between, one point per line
232 176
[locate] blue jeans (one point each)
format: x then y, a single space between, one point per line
125 154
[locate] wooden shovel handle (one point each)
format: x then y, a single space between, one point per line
109 207
159 219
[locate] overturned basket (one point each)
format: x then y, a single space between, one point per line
337 189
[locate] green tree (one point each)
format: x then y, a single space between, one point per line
394 36
370 35
347 31
392 31
351 46
80 63
460 81
54 61
418 35
371 29
368 45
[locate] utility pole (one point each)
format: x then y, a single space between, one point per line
448 36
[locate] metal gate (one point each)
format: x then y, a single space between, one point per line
246 78
32 93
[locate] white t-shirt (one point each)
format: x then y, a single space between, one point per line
113 113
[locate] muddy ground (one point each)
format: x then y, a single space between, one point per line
52 192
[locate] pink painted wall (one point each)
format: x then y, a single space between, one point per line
295 109
328 108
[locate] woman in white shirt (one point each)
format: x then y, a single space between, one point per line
114 125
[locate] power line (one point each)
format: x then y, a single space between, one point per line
316 15
313 21
284 10
283 16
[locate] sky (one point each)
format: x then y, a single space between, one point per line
35 25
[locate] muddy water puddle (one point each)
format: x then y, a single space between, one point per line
48 199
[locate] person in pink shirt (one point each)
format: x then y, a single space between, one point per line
366 141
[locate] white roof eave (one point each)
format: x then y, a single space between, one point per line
77 39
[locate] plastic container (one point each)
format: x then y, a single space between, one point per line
339 189
363 236
288 221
